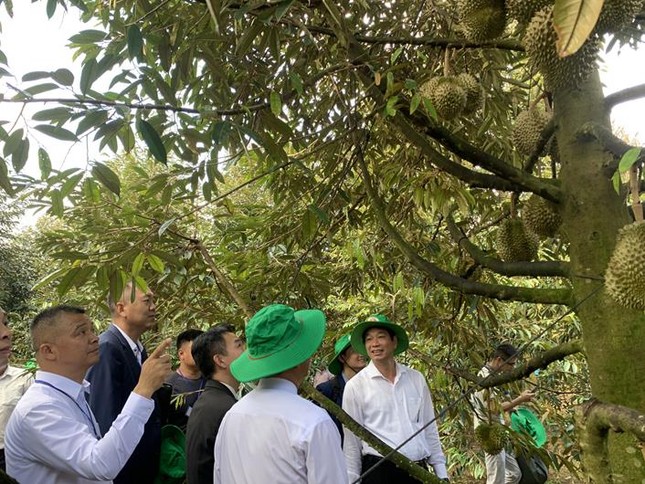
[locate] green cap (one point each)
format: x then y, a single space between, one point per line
277 339
525 421
378 321
335 367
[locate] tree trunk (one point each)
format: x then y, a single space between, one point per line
592 212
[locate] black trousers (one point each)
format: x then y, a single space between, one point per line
386 473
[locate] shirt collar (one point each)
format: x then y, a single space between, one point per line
135 346
64 384
278 384
372 371
11 372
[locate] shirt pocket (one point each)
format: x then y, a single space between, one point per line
413 407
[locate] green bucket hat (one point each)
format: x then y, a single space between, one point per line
378 321
525 421
278 338
172 465
335 367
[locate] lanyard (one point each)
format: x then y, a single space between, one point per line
87 414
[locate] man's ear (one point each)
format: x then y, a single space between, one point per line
48 351
219 361
119 308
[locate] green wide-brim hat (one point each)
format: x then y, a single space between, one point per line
378 321
277 339
525 421
335 367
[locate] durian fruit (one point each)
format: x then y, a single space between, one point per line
447 96
527 129
482 19
492 437
616 14
473 92
540 43
515 243
523 10
626 268
541 216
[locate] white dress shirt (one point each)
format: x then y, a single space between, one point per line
52 434
486 402
135 346
392 412
273 435
13 384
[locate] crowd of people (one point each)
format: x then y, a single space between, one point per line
95 409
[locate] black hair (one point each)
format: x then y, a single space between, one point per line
389 331
187 336
50 316
505 351
209 344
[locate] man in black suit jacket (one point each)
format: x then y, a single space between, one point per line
117 373
213 352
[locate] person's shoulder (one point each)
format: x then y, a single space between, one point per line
174 378
326 387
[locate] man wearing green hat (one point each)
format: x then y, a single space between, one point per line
344 365
393 402
272 434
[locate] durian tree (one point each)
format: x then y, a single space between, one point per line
458 131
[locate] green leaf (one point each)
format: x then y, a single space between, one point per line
247 38
276 103
628 159
141 283
5 181
56 132
432 112
51 8
13 141
137 264
36 75
40 88
414 102
88 37
615 181
63 76
70 184
135 41
91 120
573 21
390 107
156 263
296 82
107 178
164 226
54 114
152 140
396 54
20 155
220 133
57 208
89 74
49 278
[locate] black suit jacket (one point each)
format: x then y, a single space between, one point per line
113 378
203 425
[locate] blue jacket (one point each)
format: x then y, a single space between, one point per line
113 378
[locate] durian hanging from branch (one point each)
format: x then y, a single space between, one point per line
513 242
482 19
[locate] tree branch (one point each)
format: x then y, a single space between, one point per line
629 94
495 291
595 419
537 269
362 433
609 142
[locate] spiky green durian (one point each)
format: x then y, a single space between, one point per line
492 437
473 92
527 130
616 14
540 43
541 216
446 95
626 268
515 243
523 10
482 19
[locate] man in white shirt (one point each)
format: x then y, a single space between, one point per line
489 405
393 402
272 434
52 435
13 381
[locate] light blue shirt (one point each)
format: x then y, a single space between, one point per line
52 434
